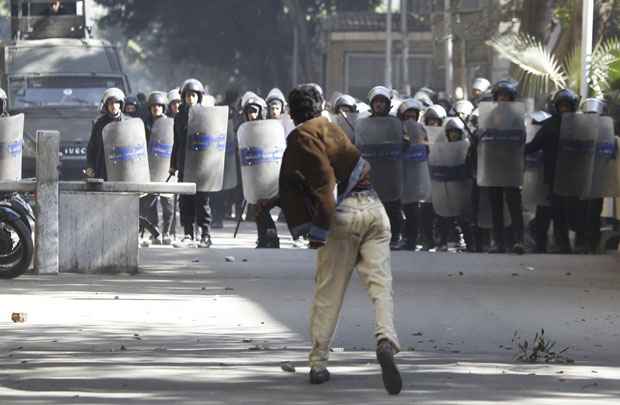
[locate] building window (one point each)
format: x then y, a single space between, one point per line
365 70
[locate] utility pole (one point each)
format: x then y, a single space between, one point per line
406 86
388 45
295 72
447 18
586 45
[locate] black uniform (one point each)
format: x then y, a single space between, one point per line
193 208
547 140
95 154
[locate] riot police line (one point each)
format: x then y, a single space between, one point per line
458 176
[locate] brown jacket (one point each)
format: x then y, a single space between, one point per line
318 157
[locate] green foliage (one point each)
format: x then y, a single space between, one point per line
250 40
540 73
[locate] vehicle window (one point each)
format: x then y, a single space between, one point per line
53 91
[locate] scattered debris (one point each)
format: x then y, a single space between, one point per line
247 340
123 348
244 260
591 385
229 289
18 317
417 334
136 336
195 261
529 268
568 273
541 348
287 366
515 274
257 348
461 273
203 288
116 297
411 348
337 349
230 259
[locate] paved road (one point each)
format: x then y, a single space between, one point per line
194 328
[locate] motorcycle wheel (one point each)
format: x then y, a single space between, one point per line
16 255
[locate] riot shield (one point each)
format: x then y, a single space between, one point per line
160 148
535 192
261 146
435 134
451 185
126 156
605 179
207 129
287 123
501 146
11 144
231 178
416 175
577 147
346 122
380 141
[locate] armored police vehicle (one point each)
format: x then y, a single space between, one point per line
55 74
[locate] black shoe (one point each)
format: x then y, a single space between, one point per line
205 243
518 248
319 375
391 376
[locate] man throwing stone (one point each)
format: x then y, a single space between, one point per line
351 229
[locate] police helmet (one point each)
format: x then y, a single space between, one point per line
157 98
276 95
566 96
195 86
379 91
454 124
409 104
252 101
593 106
345 100
423 98
113 94
174 95
481 84
506 87
464 108
436 112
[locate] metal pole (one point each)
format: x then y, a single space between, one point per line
448 57
388 45
586 45
406 86
295 75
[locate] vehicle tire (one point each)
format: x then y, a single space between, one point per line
15 262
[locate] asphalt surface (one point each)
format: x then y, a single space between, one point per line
221 325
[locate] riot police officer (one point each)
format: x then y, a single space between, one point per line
345 104
157 102
455 132
380 99
434 116
196 208
547 140
113 101
174 102
410 110
479 87
254 108
131 107
506 91
276 103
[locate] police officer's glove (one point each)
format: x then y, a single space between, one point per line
172 171
266 204
316 244
89 172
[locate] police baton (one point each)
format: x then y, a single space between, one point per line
243 205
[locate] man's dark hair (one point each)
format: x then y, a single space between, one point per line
305 103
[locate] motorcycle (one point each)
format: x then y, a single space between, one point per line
16 240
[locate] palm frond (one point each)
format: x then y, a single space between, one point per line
539 71
605 58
